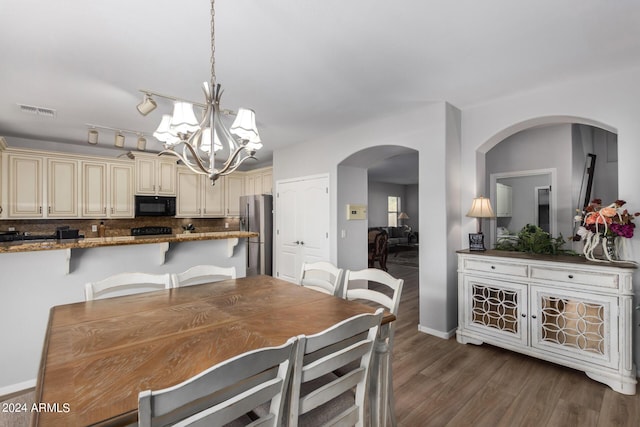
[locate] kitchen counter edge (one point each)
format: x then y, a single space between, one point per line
95 242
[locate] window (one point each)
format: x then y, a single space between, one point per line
393 209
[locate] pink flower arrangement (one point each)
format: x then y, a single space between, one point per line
611 220
602 224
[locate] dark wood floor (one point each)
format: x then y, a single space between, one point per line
440 382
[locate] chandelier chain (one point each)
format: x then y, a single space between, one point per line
213 45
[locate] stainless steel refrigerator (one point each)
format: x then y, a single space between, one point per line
256 214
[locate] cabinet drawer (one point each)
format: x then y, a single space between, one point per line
575 276
496 267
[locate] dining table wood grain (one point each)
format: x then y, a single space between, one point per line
98 355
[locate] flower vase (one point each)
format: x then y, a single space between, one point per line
610 248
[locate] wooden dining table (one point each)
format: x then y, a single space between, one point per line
98 355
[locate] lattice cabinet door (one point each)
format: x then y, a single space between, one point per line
575 325
496 308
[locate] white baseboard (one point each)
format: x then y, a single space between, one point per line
439 334
13 388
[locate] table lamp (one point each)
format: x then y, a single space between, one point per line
480 208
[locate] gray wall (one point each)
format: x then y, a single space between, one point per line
523 201
436 136
352 190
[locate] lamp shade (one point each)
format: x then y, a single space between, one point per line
481 208
183 119
163 132
205 141
403 215
244 127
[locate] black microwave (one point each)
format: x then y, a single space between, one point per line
155 206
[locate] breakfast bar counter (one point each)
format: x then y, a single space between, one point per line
94 242
37 275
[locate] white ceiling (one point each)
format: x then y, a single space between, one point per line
307 67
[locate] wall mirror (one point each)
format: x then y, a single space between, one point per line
537 176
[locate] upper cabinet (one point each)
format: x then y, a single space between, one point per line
197 198
504 200
259 181
52 185
233 189
62 188
155 175
107 189
25 186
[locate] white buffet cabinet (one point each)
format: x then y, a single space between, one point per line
562 309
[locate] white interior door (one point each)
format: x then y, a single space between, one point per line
302 224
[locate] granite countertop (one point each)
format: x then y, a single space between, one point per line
94 242
575 259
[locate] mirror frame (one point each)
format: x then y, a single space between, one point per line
553 214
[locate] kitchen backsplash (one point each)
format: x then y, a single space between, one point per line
120 227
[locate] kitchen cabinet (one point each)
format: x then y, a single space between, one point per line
197 197
233 189
504 200
107 190
259 181
155 175
567 311
121 190
94 189
25 186
62 188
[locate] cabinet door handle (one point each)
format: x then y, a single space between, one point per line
297 242
533 316
524 315
0 209
571 276
40 209
104 210
301 242
493 267
49 209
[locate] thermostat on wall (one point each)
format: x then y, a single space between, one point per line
356 212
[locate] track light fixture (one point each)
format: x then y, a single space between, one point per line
93 137
147 105
120 139
119 142
142 143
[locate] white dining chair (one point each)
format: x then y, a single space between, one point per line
225 392
203 274
387 294
126 284
321 276
320 397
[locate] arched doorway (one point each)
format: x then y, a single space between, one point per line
370 177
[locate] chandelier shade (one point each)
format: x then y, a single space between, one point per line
183 120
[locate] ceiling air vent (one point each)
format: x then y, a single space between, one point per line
37 111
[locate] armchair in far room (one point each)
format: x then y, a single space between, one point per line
378 248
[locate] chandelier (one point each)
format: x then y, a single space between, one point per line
195 142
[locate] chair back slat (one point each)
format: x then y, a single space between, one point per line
126 284
225 391
204 273
314 384
321 276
